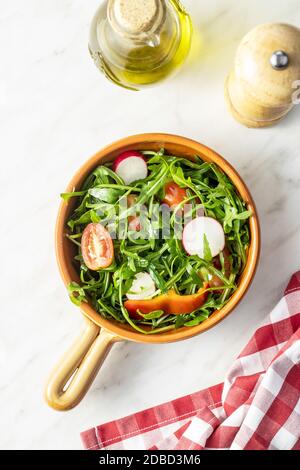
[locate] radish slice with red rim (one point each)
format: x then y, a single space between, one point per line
131 166
194 236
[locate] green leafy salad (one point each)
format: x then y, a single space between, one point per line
162 240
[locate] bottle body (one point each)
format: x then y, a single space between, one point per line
137 61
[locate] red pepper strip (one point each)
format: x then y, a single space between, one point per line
171 303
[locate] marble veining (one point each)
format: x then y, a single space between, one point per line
55 111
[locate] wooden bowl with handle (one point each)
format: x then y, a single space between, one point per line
76 371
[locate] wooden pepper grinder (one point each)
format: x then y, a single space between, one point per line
259 90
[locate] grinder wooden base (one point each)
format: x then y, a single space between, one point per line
251 123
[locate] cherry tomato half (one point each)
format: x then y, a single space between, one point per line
97 247
174 194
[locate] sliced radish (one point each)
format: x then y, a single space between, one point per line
193 236
131 166
143 287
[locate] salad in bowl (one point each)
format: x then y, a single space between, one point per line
161 240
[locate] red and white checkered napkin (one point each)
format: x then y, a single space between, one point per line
257 407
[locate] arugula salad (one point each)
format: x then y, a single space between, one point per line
162 240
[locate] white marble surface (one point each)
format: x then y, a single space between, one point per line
55 111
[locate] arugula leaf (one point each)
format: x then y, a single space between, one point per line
104 174
206 249
196 321
232 214
108 195
153 315
67 196
77 293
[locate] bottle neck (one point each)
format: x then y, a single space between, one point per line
140 21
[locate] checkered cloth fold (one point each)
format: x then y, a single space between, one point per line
256 408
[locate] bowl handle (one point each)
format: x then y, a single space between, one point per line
76 371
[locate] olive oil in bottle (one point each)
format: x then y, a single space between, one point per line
140 42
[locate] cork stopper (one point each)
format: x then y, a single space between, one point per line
135 19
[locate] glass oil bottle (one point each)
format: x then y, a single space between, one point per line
136 43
